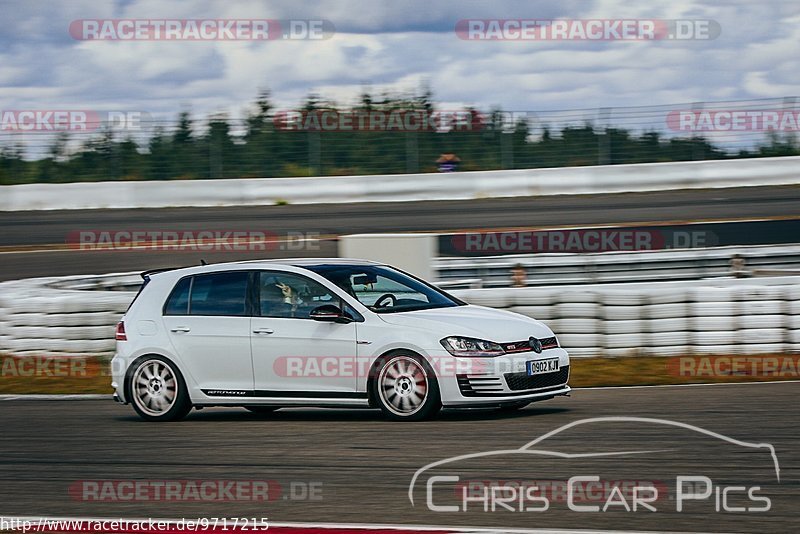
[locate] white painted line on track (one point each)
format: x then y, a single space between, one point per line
692 385
56 397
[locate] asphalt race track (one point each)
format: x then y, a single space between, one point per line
40 230
351 466
358 466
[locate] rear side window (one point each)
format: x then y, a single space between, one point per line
178 301
219 294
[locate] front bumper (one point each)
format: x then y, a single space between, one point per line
480 402
504 380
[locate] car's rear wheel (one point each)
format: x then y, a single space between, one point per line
405 388
261 410
158 391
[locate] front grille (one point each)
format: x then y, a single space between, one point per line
549 342
521 381
479 385
525 346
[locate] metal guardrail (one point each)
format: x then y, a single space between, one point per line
610 267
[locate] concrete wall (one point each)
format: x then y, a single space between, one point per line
399 187
413 253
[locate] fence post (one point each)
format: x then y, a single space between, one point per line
412 153
214 158
506 150
314 153
604 141
696 154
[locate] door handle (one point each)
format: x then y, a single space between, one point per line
183 329
263 331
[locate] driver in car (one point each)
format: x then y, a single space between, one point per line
289 295
280 299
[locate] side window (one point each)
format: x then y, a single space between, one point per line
291 296
219 294
178 301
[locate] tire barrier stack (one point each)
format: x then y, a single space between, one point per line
545 269
719 317
76 315
65 316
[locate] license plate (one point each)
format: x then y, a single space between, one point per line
540 367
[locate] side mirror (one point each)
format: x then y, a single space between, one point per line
328 313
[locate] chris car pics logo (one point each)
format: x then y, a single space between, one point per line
450 486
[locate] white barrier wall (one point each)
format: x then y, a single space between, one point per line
76 315
403 187
413 253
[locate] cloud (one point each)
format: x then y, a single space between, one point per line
394 46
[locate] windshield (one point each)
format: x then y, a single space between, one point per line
384 289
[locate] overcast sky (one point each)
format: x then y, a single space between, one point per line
397 46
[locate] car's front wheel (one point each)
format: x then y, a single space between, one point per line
157 390
405 387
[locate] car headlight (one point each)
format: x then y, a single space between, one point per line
467 346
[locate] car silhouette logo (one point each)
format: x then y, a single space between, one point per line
532 447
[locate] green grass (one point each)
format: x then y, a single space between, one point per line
91 375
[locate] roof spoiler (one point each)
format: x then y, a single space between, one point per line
146 274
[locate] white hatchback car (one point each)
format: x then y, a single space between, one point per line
324 332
